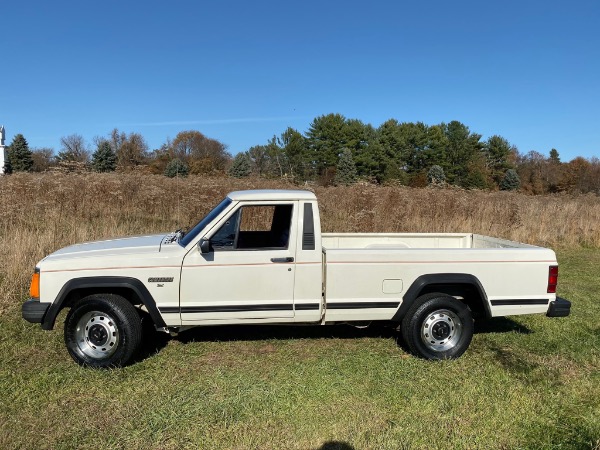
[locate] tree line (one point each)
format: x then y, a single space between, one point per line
190 150
334 150
339 150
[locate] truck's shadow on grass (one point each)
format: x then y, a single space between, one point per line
335 445
340 331
155 341
500 325
282 332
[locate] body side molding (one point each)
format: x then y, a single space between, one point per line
521 302
100 283
362 305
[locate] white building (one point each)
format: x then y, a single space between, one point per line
3 155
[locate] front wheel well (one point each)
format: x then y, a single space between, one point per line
131 289
76 294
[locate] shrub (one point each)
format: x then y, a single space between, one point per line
511 181
436 175
176 168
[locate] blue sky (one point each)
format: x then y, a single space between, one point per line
241 72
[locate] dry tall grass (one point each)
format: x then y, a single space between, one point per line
43 212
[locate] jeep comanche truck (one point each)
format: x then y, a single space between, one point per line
259 257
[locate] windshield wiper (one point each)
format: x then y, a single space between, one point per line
175 236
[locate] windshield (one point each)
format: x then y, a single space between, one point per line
190 235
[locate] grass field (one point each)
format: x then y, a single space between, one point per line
525 382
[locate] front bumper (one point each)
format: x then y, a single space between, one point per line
33 311
559 308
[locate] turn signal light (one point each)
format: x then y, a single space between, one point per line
34 288
552 279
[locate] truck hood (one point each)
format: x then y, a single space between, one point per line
137 244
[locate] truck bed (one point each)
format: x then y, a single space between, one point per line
377 269
415 240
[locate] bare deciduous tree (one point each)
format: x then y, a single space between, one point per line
42 159
73 149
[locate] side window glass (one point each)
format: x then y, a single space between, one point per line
255 228
225 238
265 227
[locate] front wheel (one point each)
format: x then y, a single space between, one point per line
437 326
103 330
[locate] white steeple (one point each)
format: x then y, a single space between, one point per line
2 150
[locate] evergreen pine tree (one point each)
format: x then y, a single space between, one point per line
346 169
19 155
104 159
475 180
176 168
241 166
511 181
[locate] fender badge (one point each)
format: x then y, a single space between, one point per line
160 280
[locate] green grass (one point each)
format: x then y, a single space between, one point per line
527 382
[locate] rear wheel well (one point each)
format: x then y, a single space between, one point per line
467 293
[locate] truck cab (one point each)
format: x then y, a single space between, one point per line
260 261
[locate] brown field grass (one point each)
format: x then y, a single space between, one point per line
43 212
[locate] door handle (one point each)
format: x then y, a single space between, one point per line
289 259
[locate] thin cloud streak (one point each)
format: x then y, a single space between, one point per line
214 121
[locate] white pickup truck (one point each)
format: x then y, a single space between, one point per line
259 257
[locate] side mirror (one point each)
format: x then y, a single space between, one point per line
204 245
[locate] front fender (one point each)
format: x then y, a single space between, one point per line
100 283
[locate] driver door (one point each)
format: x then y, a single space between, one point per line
248 273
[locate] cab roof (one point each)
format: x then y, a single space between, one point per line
271 194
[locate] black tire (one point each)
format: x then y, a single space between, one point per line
437 326
103 331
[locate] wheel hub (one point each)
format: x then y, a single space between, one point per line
441 330
97 335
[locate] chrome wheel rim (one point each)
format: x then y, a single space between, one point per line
97 335
441 330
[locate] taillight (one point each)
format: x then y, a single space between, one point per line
34 288
552 279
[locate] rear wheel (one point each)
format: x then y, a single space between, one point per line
103 330
437 326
